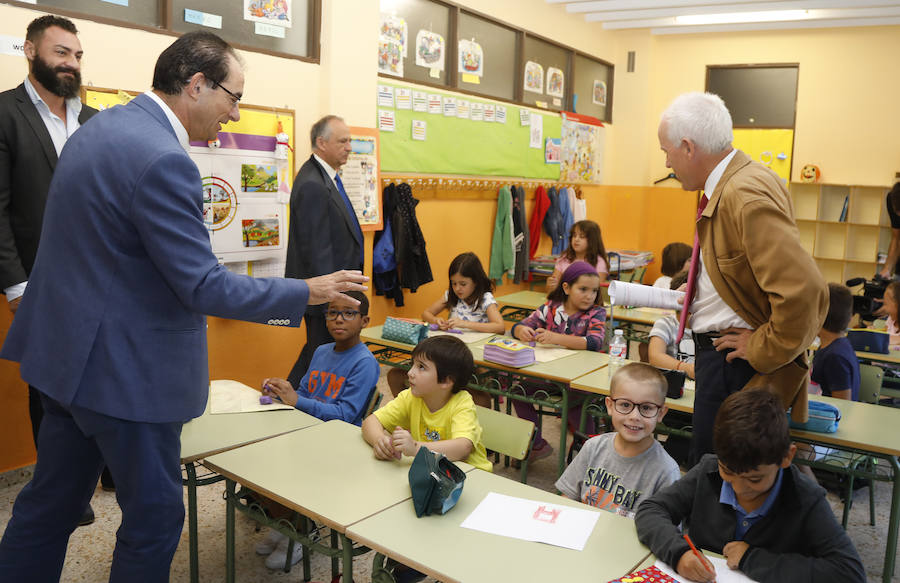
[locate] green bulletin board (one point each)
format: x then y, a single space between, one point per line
456 145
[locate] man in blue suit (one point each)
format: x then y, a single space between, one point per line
112 328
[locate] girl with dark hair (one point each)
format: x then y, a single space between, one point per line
585 244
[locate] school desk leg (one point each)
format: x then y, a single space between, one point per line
563 430
347 552
230 489
890 551
193 544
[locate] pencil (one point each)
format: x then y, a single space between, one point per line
700 556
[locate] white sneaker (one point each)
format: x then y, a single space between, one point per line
275 561
268 544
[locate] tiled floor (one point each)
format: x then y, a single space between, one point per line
90 547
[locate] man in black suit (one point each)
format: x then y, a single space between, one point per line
324 233
36 119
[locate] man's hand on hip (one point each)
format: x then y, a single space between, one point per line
329 287
734 339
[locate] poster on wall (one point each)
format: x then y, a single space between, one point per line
598 96
534 77
360 176
393 28
430 50
555 82
390 57
268 11
552 151
471 58
581 154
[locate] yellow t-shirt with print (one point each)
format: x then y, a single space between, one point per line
455 419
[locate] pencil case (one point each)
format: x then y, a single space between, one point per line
508 352
403 331
823 418
865 340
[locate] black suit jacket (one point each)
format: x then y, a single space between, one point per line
27 162
323 236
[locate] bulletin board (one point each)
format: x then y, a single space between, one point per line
245 186
361 179
456 145
773 148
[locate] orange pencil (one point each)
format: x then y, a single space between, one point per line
700 556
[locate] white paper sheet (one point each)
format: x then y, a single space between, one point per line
562 526
636 294
234 397
550 352
467 336
724 574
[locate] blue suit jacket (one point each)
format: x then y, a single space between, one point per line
113 317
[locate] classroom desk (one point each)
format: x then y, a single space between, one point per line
559 372
597 382
892 357
210 434
517 306
326 473
438 546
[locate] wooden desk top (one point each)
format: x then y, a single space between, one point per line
210 434
892 356
326 472
646 316
598 382
611 551
564 370
523 299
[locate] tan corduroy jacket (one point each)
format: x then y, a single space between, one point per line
752 252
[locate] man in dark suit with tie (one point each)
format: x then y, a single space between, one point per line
36 119
112 330
324 232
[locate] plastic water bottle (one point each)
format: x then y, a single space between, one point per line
617 350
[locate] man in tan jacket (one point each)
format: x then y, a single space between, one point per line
759 298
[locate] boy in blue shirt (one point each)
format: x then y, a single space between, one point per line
835 366
337 385
749 503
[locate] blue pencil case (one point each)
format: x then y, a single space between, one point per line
823 418
865 340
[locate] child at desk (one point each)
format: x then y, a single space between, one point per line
338 385
676 257
835 366
572 317
751 505
585 244
434 412
470 303
890 308
616 470
663 352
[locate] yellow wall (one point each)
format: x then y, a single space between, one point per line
846 119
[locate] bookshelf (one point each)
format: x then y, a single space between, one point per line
844 243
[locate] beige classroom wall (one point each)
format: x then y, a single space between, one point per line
847 114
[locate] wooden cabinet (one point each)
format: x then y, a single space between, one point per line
844 227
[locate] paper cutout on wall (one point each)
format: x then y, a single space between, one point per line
268 11
552 151
393 28
555 82
430 50
471 58
598 96
390 57
582 150
534 77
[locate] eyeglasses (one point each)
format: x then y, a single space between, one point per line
648 410
345 314
234 98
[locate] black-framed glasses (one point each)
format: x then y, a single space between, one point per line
648 410
345 314
234 98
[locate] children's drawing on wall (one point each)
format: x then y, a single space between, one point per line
552 151
534 77
430 50
471 58
219 203
599 94
580 157
260 232
268 11
390 57
536 131
259 178
555 82
393 28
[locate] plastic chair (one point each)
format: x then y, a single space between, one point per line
374 402
506 435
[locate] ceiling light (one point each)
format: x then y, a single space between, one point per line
736 17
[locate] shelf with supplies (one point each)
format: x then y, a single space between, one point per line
844 227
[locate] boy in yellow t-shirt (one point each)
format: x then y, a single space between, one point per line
435 411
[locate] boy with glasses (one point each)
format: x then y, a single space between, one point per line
337 385
616 471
